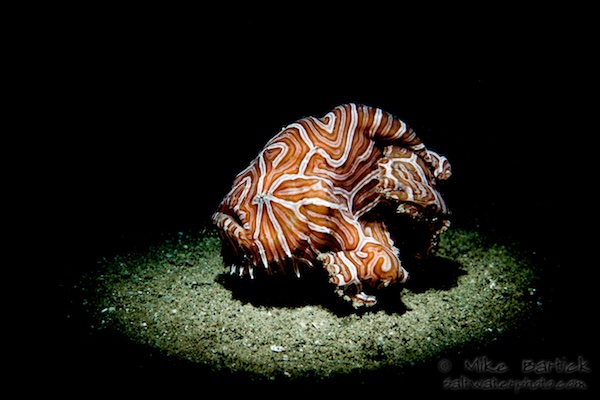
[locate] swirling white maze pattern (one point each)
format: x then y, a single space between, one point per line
305 200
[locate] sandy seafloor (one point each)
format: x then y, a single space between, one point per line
176 301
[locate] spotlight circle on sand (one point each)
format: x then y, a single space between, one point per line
171 299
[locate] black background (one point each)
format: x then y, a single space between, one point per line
148 121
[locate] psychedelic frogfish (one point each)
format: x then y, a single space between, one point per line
331 193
